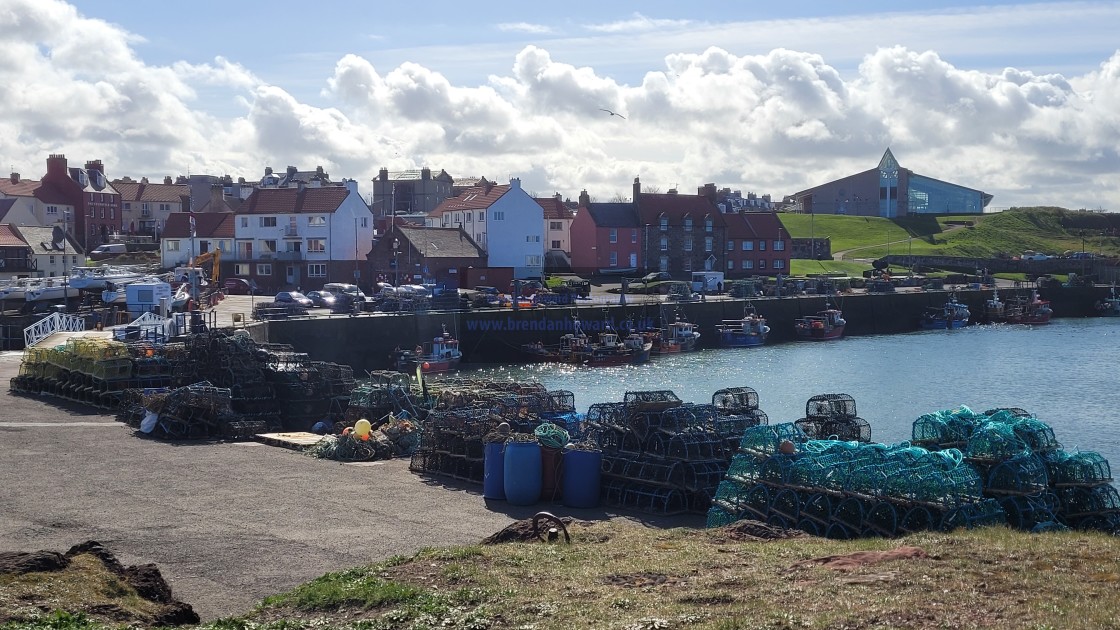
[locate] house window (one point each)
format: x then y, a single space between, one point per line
614 259
316 270
664 223
688 223
365 222
748 245
241 270
172 246
730 264
688 243
633 236
470 217
532 261
481 216
316 245
533 238
555 244
779 245
165 207
499 215
112 212
687 264
663 263
51 260
761 263
614 235
762 246
316 221
52 209
103 213
708 243
779 263
555 226
708 224
664 243
267 222
244 222
264 269
748 264
730 245
268 247
294 246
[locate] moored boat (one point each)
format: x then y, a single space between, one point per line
17 289
442 354
1110 306
50 289
825 325
679 336
747 332
578 349
98 278
952 314
994 308
1033 310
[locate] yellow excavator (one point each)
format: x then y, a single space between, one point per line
211 263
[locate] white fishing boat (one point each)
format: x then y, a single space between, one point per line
98 278
51 289
17 288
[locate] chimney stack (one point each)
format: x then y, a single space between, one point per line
56 165
584 199
637 191
15 178
217 198
267 170
95 165
292 171
167 179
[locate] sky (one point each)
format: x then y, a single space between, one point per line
1018 99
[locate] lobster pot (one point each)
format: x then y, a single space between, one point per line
493 474
1080 501
1025 474
1028 511
978 514
1085 468
846 429
522 473
995 441
766 439
1036 434
825 406
582 476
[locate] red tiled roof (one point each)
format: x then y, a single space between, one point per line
152 193
9 238
207 225
554 208
476 198
22 188
652 206
294 200
752 225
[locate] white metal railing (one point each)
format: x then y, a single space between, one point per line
49 325
151 326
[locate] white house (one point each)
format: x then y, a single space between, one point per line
504 220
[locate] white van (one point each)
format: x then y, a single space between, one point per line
101 252
707 281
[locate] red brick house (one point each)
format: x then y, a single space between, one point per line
686 233
411 255
606 238
97 205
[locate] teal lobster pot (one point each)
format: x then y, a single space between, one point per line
522 473
582 476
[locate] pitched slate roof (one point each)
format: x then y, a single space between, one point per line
206 225
151 193
554 208
39 239
5 207
294 200
9 237
475 198
614 214
441 242
651 206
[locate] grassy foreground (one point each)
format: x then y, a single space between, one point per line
623 575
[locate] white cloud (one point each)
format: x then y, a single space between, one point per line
524 27
636 23
775 121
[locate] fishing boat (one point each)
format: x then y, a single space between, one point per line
1033 310
17 289
952 314
747 332
577 348
1110 306
98 278
442 354
825 325
994 308
50 289
679 336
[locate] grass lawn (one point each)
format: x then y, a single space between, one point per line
800 267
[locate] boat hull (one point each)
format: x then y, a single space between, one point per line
741 340
428 366
943 324
820 334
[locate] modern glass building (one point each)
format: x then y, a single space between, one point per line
889 190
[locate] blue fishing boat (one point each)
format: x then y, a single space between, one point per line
749 331
952 314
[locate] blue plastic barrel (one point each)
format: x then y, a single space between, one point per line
582 477
522 473
493 472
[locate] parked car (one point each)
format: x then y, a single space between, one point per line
292 297
321 299
238 286
1035 257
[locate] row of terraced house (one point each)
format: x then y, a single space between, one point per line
301 229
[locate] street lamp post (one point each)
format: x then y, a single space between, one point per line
396 264
645 251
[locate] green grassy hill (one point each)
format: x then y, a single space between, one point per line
1044 229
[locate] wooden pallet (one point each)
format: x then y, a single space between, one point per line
297 440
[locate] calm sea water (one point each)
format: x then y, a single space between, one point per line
1065 373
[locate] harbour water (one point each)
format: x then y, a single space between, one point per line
1065 373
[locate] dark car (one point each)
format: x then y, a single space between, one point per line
238 286
322 299
292 297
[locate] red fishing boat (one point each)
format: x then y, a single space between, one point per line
826 324
442 354
1033 310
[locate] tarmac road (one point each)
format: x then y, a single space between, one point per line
226 523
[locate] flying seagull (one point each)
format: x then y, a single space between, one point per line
612 113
